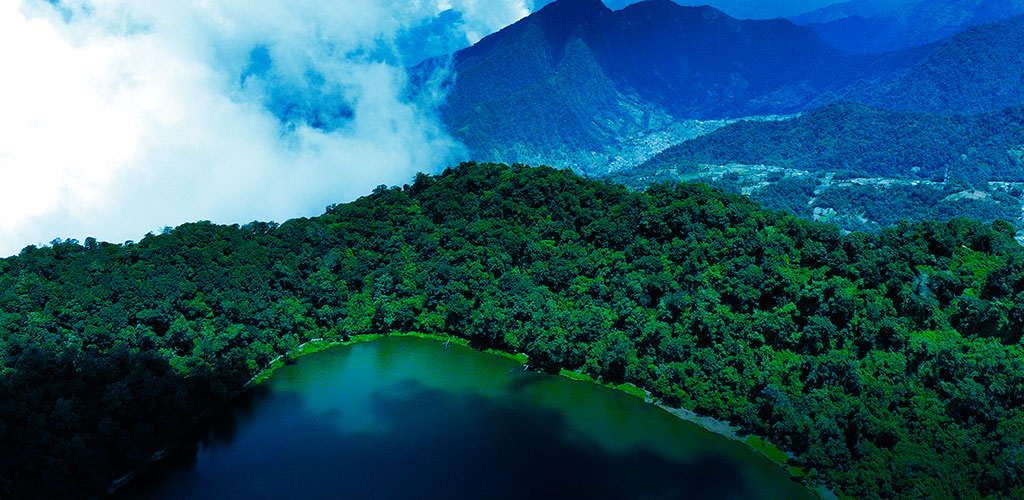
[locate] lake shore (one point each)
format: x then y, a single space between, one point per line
722 428
710 424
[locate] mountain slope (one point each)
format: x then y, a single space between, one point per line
869 143
741 9
978 70
875 27
852 8
747 9
860 167
577 82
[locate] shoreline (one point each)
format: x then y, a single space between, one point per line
722 428
756 443
307 347
263 374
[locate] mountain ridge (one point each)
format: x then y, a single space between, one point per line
978 70
860 167
874 27
649 69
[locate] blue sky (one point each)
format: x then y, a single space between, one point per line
125 116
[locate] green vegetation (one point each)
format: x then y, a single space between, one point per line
974 71
872 205
858 141
770 451
869 168
889 364
888 205
886 26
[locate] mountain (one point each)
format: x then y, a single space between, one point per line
978 70
859 167
742 9
853 8
747 9
866 142
873 26
577 84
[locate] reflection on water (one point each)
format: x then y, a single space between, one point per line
407 418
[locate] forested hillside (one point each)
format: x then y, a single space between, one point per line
850 8
866 167
977 70
873 26
891 364
863 142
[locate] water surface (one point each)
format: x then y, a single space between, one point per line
408 418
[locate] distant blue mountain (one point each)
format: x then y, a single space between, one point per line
851 8
978 70
741 9
579 85
577 76
875 26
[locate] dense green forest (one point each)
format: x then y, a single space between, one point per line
869 207
890 363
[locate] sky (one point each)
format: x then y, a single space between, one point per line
122 117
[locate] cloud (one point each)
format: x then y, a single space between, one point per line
121 117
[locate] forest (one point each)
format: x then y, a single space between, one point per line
974 71
889 364
870 207
858 141
869 167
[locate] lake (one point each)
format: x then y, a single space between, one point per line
411 418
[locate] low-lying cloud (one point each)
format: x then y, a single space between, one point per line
120 117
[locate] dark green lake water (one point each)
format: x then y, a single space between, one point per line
407 418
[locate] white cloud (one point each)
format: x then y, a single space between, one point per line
120 117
